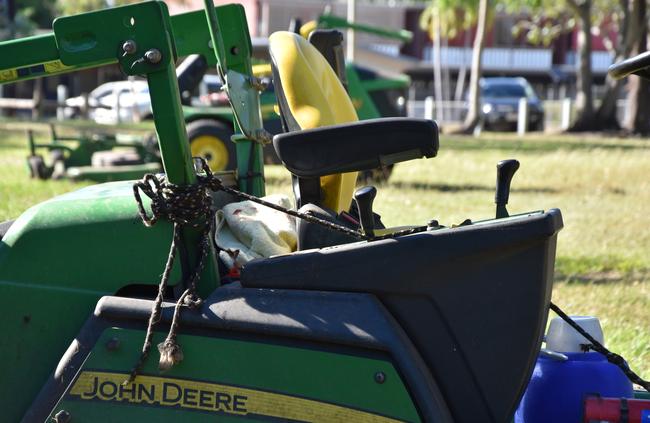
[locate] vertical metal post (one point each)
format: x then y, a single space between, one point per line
429 108
264 19
135 111
61 97
117 106
170 125
85 109
32 143
350 41
37 97
565 120
522 116
250 158
179 169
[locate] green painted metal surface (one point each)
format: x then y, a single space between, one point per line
332 21
112 173
251 368
232 46
224 113
57 260
361 100
39 56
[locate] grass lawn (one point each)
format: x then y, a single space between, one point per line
600 184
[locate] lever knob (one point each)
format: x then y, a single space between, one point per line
505 171
364 198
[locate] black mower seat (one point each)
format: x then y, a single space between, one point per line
472 299
356 146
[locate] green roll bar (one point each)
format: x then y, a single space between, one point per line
327 21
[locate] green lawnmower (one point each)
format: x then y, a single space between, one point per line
97 157
361 323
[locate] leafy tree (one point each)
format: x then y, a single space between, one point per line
29 15
40 12
548 19
626 19
447 18
636 30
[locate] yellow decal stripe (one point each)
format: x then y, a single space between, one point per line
55 66
8 75
203 396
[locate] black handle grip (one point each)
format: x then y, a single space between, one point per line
364 198
638 65
505 171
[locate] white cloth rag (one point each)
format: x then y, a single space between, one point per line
247 230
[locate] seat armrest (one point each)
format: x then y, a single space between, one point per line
356 146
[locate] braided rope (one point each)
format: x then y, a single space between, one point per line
183 205
594 345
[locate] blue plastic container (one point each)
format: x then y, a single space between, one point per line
557 388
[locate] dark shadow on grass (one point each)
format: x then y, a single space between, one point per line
418 185
603 277
530 146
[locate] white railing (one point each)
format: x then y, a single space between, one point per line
495 59
515 59
600 61
558 114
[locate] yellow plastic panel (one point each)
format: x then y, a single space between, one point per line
316 98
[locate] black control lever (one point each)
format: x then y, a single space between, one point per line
364 198
505 171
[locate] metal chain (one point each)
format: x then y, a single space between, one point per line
598 347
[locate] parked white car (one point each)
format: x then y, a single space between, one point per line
116 102
129 101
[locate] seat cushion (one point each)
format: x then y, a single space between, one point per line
310 96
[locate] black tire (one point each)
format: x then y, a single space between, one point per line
538 126
210 139
37 167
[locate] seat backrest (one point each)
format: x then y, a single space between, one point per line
310 95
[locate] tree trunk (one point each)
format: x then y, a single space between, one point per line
436 35
628 33
638 117
37 97
473 114
584 98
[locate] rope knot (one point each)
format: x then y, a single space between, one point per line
182 204
170 354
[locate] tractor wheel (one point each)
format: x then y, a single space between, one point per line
211 140
37 167
377 175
